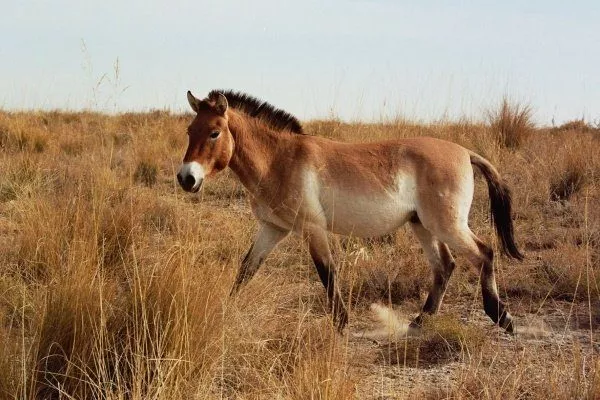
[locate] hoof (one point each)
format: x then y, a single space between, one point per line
506 322
341 320
417 322
510 327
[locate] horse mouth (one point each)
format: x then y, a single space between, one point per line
196 189
186 186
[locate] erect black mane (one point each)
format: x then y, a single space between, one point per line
275 117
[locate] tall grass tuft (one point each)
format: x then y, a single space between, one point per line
569 174
511 124
567 182
146 173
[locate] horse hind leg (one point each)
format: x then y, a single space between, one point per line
442 265
482 257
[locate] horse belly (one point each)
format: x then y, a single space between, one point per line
367 215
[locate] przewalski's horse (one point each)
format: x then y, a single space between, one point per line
311 185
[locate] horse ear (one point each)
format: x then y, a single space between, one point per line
193 101
221 103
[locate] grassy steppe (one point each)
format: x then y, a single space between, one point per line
114 283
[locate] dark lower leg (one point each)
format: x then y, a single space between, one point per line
321 255
327 276
266 239
441 275
434 298
493 307
246 271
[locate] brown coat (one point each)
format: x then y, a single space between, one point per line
310 185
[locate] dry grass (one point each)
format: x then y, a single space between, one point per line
114 284
511 124
528 375
577 125
443 339
569 177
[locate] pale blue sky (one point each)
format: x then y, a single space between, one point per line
353 59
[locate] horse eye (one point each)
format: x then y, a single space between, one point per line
215 134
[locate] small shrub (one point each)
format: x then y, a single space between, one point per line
146 173
564 186
568 181
512 124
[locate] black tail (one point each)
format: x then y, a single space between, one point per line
501 209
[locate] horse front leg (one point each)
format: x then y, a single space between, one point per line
264 242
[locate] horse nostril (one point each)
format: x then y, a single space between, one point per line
179 179
189 181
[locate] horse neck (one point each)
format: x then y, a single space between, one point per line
254 149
